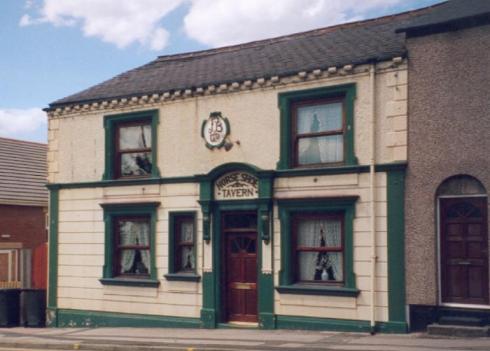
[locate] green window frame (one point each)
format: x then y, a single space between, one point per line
175 271
288 211
288 103
128 210
111 126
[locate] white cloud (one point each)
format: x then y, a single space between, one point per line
210 22
28 124
120 22
225 22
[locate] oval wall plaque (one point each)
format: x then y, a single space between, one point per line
215 129
236 185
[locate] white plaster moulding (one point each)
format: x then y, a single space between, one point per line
261 82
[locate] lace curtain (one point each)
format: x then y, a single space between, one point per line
134 233
320 118
320 265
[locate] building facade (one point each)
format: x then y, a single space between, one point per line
23 211
448 170
266 189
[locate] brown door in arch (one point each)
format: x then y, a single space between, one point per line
464 250
240 266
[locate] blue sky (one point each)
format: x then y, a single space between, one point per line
53 48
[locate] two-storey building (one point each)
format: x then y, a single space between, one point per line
260 183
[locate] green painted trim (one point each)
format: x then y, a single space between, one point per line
211 310
265 178
393 166
183 277
302 172
287 208
286 99
173 274
345 325
110 123
122 182
79 318
299 289
53 248
130 282
392 327
396 245
209 317
125 209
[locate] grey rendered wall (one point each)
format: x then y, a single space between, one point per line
449 134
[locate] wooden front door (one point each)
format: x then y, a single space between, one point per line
464 250
240 266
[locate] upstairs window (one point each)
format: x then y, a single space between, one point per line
131 145
133 149
318 132
317 127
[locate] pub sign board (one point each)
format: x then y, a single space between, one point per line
215 130
236 185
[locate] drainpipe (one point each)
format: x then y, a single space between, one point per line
372 190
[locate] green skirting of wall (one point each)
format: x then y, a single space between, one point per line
345 325
78 318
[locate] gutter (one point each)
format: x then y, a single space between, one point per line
372 190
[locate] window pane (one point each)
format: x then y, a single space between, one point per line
138 163
187 258
239 221
134 233
135 137
321 149
135 261
187 231
320 266
319 233
319 118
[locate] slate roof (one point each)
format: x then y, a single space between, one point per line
351 43
23 173
450 15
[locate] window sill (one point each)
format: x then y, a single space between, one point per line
184 277
299 289
153 283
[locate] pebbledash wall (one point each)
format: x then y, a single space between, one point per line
457 100
187 167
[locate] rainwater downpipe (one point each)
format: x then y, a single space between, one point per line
372 190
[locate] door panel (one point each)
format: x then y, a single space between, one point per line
464 250
240 270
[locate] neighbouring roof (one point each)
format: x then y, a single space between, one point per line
451 15
23 173
351 43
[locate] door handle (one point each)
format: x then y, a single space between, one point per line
464 263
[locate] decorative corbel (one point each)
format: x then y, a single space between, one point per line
206 226
265 224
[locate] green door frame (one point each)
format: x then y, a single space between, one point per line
211 312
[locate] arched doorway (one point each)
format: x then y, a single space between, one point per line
463 241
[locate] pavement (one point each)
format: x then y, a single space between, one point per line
156 339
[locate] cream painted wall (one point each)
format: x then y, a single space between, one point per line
81 252
334 306
76 140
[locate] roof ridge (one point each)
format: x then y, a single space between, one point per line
267 41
